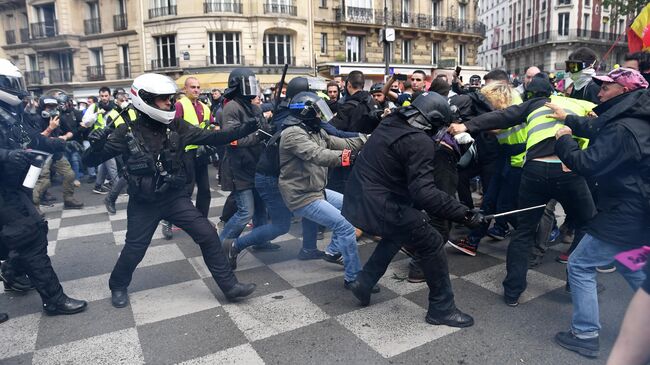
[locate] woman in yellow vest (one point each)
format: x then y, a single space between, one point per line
544 177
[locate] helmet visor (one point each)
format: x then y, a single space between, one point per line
574 66
323 111
13 85
248 86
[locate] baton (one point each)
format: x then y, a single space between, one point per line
268 134
492 216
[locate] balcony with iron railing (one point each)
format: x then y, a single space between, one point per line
92 26
572 35
279 60
44 29
287 9
120 22
96 73
224 60
222 7
165 63
33 77
164 11
24 35
10 36
58 76
123 70
408 20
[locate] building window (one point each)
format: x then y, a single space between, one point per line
45 26
407 56
162 8
323 43
124 67
322 3
563 24
280 7
564 2
120 18
462 54
96 66
587 2
224 49
543 5
353 48
586 22
435 53
165 52
462 12
435 10
92 24
277 49
406 11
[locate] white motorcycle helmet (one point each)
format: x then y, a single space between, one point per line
146 88
12 84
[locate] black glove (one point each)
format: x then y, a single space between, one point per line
98 136
18 158
474 218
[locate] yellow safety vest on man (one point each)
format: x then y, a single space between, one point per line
189 114
100 123
117 119
514 136
540 127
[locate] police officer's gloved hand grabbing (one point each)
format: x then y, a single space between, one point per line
474 218
348 157
97 138
16 158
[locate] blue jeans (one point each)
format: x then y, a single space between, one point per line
75 161
267 188
247 209
589 254
107 170
328 213
90 169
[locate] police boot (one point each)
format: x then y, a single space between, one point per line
240 291
454 319
119 298
66 305
110 205
72 203
14 282
4 317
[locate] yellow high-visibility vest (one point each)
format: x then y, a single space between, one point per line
189 114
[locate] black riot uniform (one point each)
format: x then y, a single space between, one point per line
390 191
157 179
23 234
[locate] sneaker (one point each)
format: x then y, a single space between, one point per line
511 302
336 258
416 275
310 254
498 233
100 190
589 347
167 230
562 258
606 268
463 246
555 234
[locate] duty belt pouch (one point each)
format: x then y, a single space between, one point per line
22 232
142 188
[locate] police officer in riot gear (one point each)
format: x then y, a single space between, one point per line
391 190
23 233
152 148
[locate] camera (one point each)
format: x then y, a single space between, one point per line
401 77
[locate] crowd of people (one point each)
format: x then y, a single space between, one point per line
397 162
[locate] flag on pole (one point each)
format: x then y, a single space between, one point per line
638 35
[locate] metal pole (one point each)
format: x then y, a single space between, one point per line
386 44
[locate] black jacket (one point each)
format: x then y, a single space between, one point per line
471 105
618 159
153 136
357 114
238 165
393 181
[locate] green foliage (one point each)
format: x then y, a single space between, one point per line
625 7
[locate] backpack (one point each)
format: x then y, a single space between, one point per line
369 115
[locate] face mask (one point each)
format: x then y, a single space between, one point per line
124 104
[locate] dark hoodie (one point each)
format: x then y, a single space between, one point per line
471 105
618 159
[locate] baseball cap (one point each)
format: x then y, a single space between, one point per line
626 77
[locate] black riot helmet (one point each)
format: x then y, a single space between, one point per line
46 101
428 112
539 87
297 85
310 108
377 88
242 82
